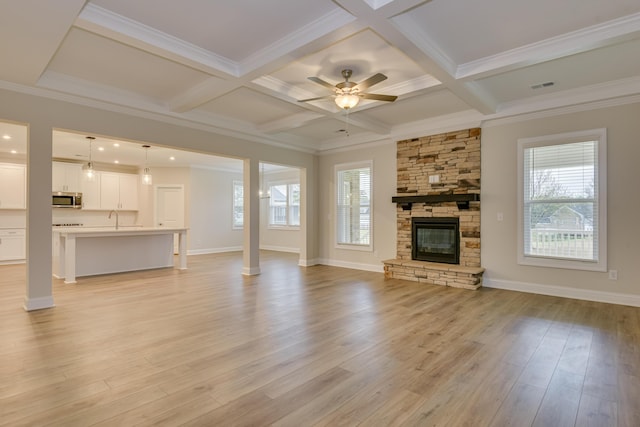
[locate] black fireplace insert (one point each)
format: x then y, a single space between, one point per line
435 240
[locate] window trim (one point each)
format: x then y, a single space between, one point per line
345 167
288 183
599 135
234 226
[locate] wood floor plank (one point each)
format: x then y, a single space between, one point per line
302 346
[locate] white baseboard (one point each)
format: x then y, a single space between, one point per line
308 262
561 291
38 303
12 262
352 265
250 271
214 250
280 249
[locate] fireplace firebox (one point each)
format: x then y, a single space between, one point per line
435 240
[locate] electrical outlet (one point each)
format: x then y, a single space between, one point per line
613 274
434 179
500 216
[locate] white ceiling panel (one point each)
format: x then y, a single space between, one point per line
250 106
234 29
469 30
440 102
96 59
597 66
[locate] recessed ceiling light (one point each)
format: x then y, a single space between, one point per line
6 136
116 161
172 158
115 144
14 152
100 148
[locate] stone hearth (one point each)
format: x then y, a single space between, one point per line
444 164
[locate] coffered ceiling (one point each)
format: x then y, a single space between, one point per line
241 66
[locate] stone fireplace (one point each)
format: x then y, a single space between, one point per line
438 210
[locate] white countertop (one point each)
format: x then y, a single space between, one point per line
111 230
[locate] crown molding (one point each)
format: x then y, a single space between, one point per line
600 35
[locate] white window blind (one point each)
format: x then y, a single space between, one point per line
562 202
353 210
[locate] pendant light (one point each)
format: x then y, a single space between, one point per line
87 169
264 193
146 173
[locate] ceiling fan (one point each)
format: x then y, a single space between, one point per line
348 93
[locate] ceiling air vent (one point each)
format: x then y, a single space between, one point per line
541 85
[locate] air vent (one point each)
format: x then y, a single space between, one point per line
541 85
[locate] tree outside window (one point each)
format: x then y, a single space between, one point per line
562 201
284 205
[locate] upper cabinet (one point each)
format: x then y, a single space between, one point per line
66 177
118 191
90 190
13 192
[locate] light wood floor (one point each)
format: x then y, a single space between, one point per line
310 346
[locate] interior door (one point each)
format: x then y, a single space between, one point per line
170 208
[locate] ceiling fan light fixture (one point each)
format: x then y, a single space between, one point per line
347 101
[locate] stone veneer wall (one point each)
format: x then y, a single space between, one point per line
455 158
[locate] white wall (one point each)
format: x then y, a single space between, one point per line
211 212
499 194
384 211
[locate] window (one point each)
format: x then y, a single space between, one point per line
284 205
353 206
238 204
562 201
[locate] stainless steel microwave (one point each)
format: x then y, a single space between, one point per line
66 200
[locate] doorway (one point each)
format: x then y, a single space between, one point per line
169 208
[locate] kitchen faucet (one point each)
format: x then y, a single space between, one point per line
113 211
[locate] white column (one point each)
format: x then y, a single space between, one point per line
251 226
308 194
39 291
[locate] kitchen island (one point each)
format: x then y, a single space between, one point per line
101 250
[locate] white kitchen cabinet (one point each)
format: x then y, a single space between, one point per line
90 191
66 177
12 244
13 186
118 191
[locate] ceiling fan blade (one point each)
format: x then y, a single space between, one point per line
315 99
373 80
377 97
322 82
